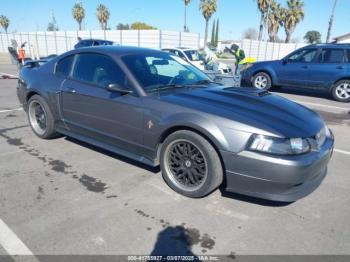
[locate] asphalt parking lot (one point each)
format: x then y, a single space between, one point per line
65 197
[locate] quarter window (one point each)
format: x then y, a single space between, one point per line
332 56
99 70
63 67
348 54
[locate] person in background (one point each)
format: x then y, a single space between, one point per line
21 54
238 54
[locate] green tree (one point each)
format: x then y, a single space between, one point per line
78 13
250 33
291 16
4 22
212 42
313 37
122 26
263 6
274 20
217 33
208 8
141 26
102 15
187 2
52 27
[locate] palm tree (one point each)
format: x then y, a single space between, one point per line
187 2
4 22
263 6
331 21
102 15
208 8
274 20
78 13
293 15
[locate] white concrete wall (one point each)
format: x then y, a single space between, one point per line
46 43
263 51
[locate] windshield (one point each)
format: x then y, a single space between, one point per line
194 55
161 69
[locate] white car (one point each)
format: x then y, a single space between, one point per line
195 58
191 56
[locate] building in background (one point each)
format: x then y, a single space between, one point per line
342 39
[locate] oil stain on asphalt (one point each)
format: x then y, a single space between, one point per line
90 183
40 192
59 166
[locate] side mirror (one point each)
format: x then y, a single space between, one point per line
118 88
285 61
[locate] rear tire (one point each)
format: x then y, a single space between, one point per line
262 81
341 91
40 118
190 165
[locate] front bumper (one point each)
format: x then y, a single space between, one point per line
246 78
277 178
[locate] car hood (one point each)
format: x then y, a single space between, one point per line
248 109
267 62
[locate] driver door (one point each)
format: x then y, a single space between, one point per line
90 110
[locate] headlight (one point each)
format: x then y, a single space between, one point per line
279 146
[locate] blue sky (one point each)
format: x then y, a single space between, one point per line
235 15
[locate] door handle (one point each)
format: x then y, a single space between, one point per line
305 67
71 90
339 67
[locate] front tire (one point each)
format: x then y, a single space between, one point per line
40 118
262 81
190 165
341 91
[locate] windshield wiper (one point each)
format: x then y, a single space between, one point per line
165 87
203 82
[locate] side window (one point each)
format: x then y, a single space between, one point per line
64 66
332 56
304 56
99 70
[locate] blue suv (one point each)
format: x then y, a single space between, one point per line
321 66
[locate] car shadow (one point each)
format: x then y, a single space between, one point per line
114 155
252 200
303 92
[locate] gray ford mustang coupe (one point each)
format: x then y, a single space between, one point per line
156 108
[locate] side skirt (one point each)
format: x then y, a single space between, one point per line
110 148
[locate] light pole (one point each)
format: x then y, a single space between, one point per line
331 21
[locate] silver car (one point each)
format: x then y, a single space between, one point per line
156 108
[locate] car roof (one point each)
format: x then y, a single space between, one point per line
115 50
92 39
331 45
180 49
